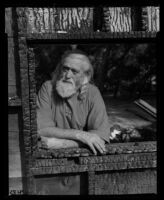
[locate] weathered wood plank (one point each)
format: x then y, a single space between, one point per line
15 164
128 182
15 186
13 141
123 162
115 148
8 22
151 18
43 20
32 88
25 93
58 185
13 121
91 35
118 19
12 90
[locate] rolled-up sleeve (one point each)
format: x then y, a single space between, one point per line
44 111
97 117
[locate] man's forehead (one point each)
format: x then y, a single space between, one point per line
79 59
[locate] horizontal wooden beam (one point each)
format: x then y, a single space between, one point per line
90 35
115 148
113 162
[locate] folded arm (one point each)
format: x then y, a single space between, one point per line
64 138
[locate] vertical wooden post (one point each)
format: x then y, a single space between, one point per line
32 95
91 182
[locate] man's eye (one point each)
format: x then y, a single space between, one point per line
75 72
65 69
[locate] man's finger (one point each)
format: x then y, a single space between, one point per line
99 147
102 144
93 149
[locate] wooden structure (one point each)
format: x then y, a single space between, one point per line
126 168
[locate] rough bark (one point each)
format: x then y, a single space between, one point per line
118 19
50 20
150 17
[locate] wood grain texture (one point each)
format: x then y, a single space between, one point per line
128 182
91 35
15 186
112 174
115 148
24 77
8 22
12 90
50 20
21 20
13 141
15 162
91 182
151 18
58 185
25 93
32 100
13 124
118 19
101 163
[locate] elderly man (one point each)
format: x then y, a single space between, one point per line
70 110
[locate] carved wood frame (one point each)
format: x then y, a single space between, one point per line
28 96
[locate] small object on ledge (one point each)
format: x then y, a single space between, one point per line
119 134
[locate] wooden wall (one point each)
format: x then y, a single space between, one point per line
14 113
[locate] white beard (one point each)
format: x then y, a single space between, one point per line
65 89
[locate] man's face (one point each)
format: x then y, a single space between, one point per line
73 69
72 75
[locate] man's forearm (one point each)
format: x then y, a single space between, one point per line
54 132
55 143
92 140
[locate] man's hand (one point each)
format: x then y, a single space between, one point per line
93 141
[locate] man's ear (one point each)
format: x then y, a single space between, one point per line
86 80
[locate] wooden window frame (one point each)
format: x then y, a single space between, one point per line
28 103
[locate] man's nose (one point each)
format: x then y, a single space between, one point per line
69 74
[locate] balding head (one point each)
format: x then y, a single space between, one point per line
72 73
81 59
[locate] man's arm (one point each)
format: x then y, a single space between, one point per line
64 138
55 143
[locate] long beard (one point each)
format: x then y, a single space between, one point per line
65 89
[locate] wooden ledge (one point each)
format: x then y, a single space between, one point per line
112 149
